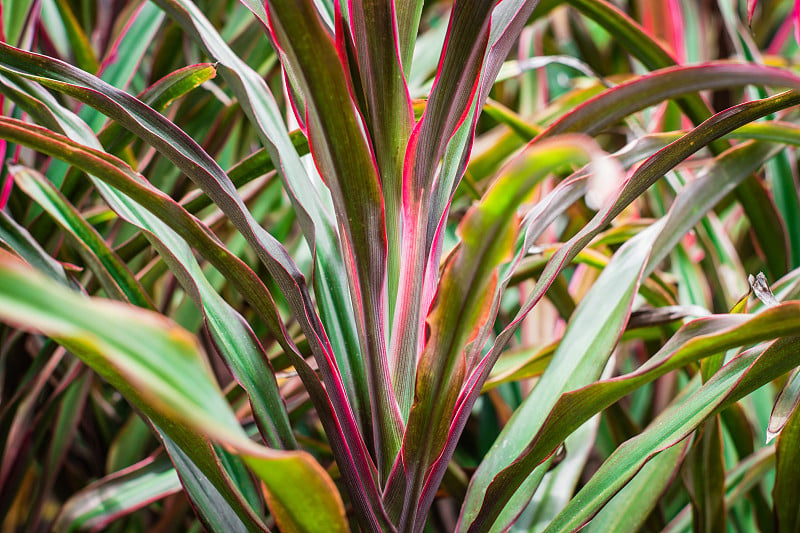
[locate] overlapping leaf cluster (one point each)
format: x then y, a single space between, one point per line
399 265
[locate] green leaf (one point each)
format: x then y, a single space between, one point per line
64 427
308 199
16 15
228 329
641 92
740 480
763 215
682 218
79 43
114 275
787 470
126 53
433 164
158 367
706 479
188 156
560 482
388 114
630 507
785 405
234 338
739 377
105 500
18 239
591 335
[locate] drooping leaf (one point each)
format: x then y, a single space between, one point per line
227 327
158 367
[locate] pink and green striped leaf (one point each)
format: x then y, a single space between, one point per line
654 167
461 311
347 164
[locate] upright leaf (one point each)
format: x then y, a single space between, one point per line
347 164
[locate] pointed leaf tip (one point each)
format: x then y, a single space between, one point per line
761 289
751 8
771 435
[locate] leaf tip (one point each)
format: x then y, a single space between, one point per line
771 435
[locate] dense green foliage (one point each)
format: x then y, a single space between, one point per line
399 265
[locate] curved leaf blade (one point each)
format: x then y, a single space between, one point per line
104 501
736 379
157 366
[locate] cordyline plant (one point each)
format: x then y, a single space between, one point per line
472 266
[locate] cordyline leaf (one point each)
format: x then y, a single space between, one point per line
614 104
560 481
631 506
787 469
258 103
198 165
251 287
785 405
187 155
464 305
18 239
742 160
408 13
698 339
256 99
524 363
80 46
754 198
210 503
113 274
158 368
508 19
41 105
119 494
388 114
748 473
738 378
69 415
126 53
424 190
628 33
347 164
228 329
647 173
751 8
591 336
159 96
17 16
705 477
